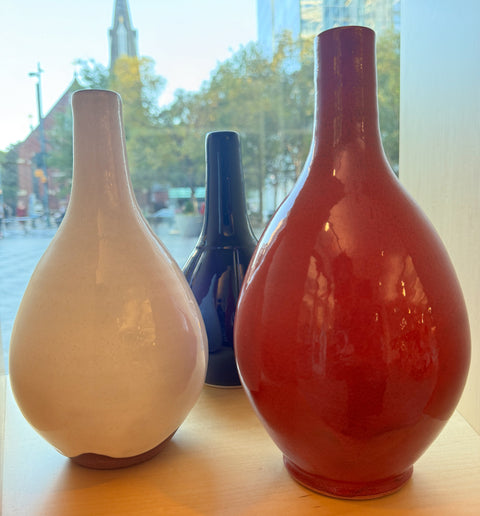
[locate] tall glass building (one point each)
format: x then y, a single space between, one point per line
306 18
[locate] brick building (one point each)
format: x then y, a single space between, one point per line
31 177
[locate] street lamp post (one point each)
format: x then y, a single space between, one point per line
43 151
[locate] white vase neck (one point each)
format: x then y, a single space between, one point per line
100 169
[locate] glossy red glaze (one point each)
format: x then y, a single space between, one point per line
351 334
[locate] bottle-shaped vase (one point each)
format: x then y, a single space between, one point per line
108 351
351 333
216 268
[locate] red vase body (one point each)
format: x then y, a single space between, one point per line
351 333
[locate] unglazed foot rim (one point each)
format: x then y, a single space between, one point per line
97 461
218 386
348 490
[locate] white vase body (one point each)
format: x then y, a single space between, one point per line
108 351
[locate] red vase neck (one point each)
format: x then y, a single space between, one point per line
346 89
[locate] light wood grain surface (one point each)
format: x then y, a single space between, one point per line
220 462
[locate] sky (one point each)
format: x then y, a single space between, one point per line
185 38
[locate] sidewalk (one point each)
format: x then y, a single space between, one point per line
19 254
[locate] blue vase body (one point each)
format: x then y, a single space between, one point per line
216 268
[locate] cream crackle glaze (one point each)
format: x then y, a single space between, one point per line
109 351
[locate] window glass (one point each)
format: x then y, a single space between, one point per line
183 69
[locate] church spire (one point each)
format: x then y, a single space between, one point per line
123 37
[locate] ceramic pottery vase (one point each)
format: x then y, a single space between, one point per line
351 334
216 268
108 351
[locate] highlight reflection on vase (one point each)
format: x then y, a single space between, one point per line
216 268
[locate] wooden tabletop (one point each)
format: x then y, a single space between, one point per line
220 462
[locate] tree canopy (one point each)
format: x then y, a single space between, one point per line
269 102
9 177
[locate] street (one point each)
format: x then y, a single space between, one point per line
19 254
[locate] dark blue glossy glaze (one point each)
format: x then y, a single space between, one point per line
216 267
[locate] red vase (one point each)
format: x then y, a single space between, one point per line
351 333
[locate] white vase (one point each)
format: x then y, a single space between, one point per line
108 352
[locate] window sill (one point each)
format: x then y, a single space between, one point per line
221 461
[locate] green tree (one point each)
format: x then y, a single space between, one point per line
292 95
388 77
139 87
181 142
135 80
270 102
261 99
60 137
237 97
60 152
92 74
9 173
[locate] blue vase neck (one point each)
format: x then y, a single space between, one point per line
225 222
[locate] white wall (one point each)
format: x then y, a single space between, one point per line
440 142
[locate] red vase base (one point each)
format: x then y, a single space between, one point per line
97 461
348 490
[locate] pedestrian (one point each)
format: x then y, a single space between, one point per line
2 216
22 214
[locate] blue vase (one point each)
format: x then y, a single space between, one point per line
216 268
